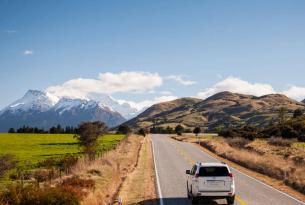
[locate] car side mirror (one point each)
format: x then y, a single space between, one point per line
188 172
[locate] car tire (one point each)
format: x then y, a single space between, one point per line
230 200
194 199
188 192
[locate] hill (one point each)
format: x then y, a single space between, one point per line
223 108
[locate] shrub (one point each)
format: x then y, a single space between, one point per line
229 133
238 142
77 182
67 163
279 141
197 130
289 132
301 138
179 129
297 113
41 175
29 195
88 134
143 132
7 162
124 129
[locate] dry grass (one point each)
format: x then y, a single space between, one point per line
109 171
139 186
279 141
280 168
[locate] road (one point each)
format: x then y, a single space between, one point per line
172 158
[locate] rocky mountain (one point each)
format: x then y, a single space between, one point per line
224 108
303 101
38 109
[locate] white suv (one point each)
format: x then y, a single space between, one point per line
210 180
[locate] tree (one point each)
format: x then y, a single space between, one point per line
88 134
143 132
124 129
297 113
11 130
179 130
196 130
282 115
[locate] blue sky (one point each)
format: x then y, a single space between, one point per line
213 45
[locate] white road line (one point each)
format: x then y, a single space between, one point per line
291 197
157 176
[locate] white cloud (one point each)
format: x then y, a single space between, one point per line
295 92
180 80
237 85
28 52
147 103
107 83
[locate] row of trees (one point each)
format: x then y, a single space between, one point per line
53 130
179 129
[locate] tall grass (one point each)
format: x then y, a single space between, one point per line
277 167
112 167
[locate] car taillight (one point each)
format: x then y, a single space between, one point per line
231 175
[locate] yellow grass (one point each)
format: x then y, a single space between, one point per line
109 171
139 186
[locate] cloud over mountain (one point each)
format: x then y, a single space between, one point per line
107 83
237 85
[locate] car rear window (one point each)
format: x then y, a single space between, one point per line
213 171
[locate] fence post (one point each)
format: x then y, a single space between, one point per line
120 201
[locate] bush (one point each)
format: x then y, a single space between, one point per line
29 195
179 129
301 138
229 133
289 132
279 141
7 162
238 142
77 182
67 163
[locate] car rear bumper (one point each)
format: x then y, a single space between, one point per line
215 194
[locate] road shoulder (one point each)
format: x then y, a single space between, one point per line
139 186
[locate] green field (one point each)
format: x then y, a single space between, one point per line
31 148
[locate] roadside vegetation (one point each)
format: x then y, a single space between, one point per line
39 168
84 168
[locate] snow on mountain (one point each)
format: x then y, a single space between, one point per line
33 100
125 109
43 110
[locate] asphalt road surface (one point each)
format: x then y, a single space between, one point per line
172 158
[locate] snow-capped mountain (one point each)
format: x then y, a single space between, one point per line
40 109
33 100
125 109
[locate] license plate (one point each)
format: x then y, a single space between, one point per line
216 183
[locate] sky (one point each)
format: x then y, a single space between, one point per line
144 52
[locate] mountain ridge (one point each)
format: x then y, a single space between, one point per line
224 108
37 109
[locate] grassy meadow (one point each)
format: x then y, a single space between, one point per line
32 148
